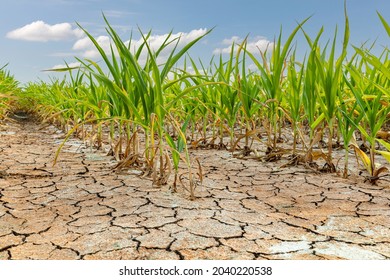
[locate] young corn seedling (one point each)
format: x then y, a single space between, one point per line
330 81
272 76
375 110
309 94
177 148
228 103
294 98
347 116
209 106
249 96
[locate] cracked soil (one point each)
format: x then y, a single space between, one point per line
82 209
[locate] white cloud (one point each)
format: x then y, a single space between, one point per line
253 45
234 39
155 41
70 65
40 31
88 50
261 44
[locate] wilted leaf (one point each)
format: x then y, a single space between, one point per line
363 156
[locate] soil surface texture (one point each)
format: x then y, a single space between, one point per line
81 208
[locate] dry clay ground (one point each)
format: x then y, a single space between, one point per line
82 209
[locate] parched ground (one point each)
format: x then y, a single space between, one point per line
82 209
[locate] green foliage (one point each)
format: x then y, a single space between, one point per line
9 89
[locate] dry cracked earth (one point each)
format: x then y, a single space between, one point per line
81 209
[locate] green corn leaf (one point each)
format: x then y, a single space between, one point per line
385 24
384 143
317 122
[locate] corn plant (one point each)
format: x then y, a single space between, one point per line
375 110
248 93
309 95
272 75
177 148
209 100
330 85
294 99
347 116
227 102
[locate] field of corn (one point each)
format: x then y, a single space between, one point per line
150 113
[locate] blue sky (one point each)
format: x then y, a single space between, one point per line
41 34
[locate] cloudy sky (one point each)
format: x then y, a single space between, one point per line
41 34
